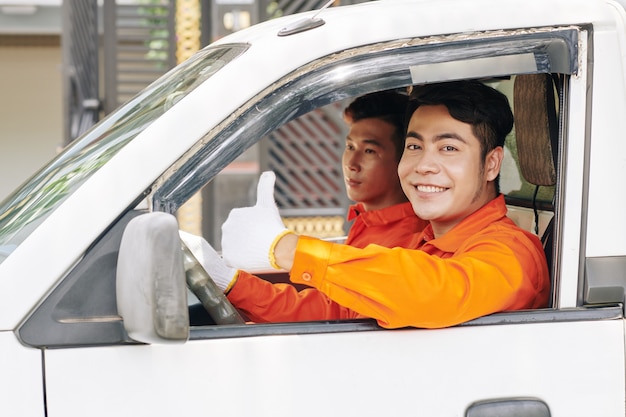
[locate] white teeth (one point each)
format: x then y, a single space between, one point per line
430 189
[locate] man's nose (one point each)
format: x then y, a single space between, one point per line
353 162
427 162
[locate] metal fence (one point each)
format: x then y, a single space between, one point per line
80 54
138 45
306 154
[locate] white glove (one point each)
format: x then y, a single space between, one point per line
250 234
219 272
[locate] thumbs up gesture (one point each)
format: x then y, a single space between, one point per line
250 234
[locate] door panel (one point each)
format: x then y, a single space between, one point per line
576 368
21 380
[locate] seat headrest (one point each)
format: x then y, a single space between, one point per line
536 127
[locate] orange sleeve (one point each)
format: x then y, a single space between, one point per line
264 302
399 287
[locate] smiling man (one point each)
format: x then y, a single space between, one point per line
453 152
471 260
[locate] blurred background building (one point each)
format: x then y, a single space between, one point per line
64 65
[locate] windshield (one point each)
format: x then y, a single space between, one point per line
28 206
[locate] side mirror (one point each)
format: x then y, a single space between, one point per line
150 284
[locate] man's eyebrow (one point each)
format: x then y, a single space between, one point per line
450 135
442 136
366 141
414 135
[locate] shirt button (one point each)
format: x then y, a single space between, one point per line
306 276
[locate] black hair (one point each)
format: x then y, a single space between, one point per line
388 106
486 109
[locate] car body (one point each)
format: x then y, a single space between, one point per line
67 352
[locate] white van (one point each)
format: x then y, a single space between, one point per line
66 350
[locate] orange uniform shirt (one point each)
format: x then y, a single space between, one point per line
485 264
262 301
389 227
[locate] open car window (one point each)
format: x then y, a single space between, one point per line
318 95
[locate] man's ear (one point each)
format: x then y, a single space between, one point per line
493 163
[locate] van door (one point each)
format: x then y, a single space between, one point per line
313 369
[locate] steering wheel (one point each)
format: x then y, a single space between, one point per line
212 298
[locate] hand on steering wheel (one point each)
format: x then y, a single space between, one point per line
208 277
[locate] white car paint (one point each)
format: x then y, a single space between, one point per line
403 372
574 365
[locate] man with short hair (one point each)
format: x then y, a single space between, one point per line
472 260
382 214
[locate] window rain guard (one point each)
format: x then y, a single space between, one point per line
359 71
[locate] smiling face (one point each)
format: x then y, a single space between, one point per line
442 171
370 164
